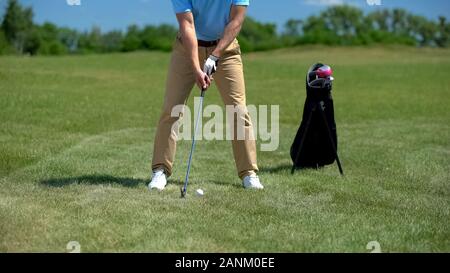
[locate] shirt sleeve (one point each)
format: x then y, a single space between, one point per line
241 2
182 6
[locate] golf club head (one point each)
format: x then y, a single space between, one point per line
183 192
324 71
319 76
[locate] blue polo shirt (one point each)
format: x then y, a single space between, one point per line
210 16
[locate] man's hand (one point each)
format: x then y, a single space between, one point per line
211 64
202 79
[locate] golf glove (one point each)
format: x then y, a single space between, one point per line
211 65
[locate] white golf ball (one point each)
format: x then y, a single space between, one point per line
199 192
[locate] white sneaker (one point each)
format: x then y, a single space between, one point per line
252 182
159 180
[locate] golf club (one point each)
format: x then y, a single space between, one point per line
186 179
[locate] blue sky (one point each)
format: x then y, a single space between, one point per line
118 14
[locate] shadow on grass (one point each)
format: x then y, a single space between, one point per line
94 180
122 181
276 169
192 183
228 184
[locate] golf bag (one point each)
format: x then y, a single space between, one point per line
315 144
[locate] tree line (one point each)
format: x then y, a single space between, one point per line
337 25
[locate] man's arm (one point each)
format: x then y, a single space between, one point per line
189 39
237 17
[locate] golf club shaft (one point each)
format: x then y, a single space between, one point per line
186 179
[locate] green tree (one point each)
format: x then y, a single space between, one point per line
316 32
32 41
399 22
390 27
379 20
132 40
293 28
5 47
345 22
18 28
95 39
442 38
69 38
256 36
158 38
292 32
90 42
51 44
422 30
112 41
337 25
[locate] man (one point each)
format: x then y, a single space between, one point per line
207 34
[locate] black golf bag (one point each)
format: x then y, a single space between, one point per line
315 144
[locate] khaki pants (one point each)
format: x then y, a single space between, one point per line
229 79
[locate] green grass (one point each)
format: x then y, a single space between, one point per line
76 142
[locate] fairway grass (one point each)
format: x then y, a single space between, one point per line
76 140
